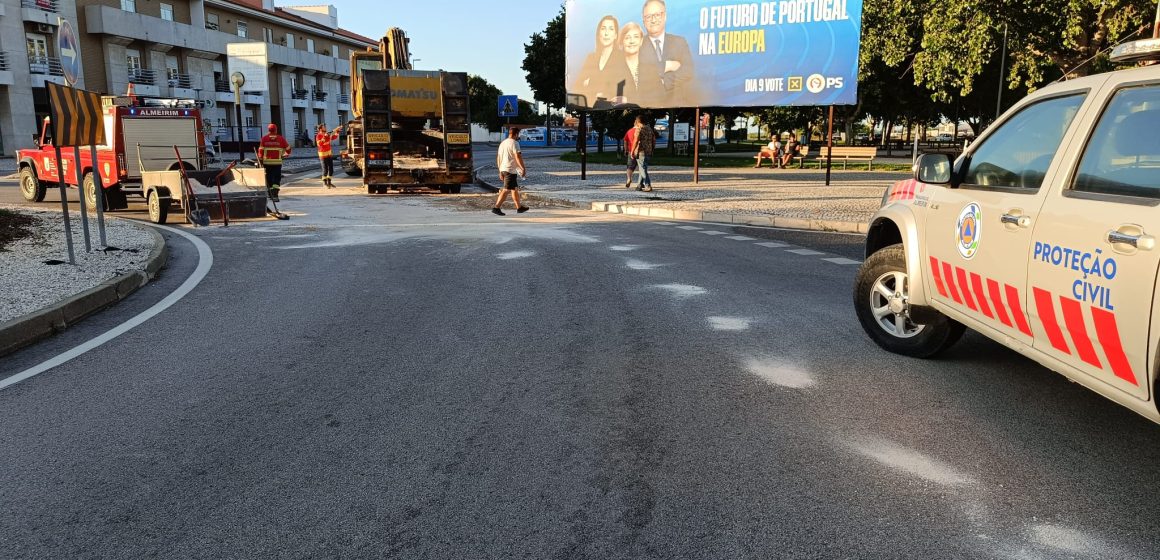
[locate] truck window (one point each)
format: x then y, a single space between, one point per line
1123 155
1018 154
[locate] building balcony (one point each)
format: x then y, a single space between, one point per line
45 69
181 86
222 92
5 69
299 98
126 26
40 11
343 102
318 99
144 82
253 97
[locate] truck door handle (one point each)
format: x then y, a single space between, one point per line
1021 220
1142 241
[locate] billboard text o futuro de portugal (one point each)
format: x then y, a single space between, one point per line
696 53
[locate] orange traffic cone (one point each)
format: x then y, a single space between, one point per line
132 96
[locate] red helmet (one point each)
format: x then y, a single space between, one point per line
272 127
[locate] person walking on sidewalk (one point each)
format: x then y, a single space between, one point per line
508 160
271 150
630 163
642 150
323 140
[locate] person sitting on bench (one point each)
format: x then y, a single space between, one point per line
771 151
791 151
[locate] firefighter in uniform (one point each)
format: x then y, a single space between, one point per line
272 149
323 140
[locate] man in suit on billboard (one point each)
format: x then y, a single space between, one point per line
673 56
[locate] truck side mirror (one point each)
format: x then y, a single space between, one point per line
933 169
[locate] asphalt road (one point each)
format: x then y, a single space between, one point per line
413 377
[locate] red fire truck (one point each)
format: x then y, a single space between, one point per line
139 135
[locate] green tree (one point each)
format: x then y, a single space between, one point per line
484 98
544 62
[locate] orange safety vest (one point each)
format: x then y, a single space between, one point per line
323 140
273 148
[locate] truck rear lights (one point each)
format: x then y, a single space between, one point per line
459 155
378 155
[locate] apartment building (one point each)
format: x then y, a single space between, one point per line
177 48
24 71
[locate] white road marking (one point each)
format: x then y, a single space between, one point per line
690 228
713 232
842 260
911 462
624 247
740 238
729 323
515 255
640 265
664 223
682 290
1073 541
205 261
805 252
774 244
780 373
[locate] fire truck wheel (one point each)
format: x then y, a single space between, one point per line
456 188
187 165
353 172
158 209
30 186
91 193
882 303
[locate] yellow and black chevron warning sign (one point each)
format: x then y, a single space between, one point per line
76 116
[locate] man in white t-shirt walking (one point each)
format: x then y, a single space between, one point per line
509 160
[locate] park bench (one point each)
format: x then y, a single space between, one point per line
846 154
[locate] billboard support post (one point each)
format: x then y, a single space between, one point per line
829 144
583 134
64 206
98 184
697 148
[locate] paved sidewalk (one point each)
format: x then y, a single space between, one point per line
794 198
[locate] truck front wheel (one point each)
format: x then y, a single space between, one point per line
882 302
30 186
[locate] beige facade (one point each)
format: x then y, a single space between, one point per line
177 49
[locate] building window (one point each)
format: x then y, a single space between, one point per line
310 45
167 11
132 59
268 34
290 40
129 5
334 51
211 21
242 28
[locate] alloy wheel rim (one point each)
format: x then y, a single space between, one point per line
890 305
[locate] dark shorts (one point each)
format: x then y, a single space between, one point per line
509 180
631 164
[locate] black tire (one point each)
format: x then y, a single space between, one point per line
888 267
444 189
456 188
353 172
30 186
158 208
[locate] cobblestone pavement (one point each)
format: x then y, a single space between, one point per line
853 196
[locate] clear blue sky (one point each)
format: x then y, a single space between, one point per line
482 37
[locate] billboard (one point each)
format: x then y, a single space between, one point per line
698 53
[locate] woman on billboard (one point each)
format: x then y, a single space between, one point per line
639 84
602 68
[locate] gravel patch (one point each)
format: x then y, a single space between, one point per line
30 284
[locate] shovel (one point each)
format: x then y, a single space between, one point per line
196 215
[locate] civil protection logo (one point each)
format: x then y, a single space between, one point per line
967 230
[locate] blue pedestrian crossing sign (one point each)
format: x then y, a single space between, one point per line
509 106
70 54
